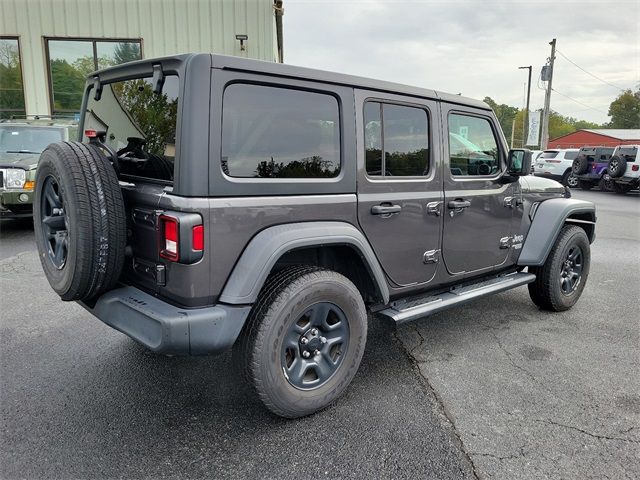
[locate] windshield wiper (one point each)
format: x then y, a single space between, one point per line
21 151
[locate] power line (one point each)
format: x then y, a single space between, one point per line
589 73
579 102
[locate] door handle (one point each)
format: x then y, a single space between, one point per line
458 204
433 208
385 209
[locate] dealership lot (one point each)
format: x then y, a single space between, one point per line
528 394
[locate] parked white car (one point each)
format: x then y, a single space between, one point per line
624 168
556 164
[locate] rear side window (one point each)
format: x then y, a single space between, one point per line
396 140
571 155
272 132
473 149
549 154
140 125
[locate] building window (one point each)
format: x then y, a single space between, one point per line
271 132
11 89
70 61
396 140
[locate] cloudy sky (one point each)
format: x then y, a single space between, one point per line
475 47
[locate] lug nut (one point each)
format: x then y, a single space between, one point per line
323 339
317 352
314 331
304 340
306 354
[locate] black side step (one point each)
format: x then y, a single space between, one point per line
406 311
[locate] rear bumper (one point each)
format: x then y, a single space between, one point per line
627 180
165 328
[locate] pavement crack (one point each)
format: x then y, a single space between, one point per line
513 362
585 432
441 408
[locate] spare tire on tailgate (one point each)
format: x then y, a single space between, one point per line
79 220
617 166
580 165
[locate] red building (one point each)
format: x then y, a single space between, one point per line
600 137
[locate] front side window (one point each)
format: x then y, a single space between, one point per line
11 90
473 149
140 125
70 61
396 140
272 132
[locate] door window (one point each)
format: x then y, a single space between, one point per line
473 149
270 132
396 140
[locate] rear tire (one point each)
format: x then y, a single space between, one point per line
79 220
605 183
293 304
561 280
621 188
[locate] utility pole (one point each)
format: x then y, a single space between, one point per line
525 125
547 98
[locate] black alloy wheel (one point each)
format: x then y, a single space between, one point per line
55 229
315 346
571 271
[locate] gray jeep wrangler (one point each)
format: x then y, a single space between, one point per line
216 202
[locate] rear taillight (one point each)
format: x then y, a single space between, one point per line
635 168
169 238
197 238
181 237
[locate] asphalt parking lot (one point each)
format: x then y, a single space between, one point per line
495 389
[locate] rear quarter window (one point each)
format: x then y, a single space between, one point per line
549 154
273 132
570 155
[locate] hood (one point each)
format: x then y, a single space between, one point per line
533 184
28 161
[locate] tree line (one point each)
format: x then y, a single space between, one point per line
624 112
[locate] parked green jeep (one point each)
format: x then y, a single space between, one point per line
21 143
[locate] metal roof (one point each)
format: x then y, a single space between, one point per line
617 133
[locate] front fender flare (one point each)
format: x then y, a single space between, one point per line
264 250
550 217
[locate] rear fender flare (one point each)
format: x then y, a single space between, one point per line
550 216
264 250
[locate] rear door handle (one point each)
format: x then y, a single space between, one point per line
458 204
385 209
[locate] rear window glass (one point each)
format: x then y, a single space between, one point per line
271 132
570 155
549 154
140 125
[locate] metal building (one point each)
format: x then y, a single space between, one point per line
47 47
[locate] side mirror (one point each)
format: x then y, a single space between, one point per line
519 162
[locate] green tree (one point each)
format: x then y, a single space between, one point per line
68 85
126 52
505 115
625 110
11 91
154 114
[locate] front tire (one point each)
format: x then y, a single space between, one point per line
561 280
304 339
